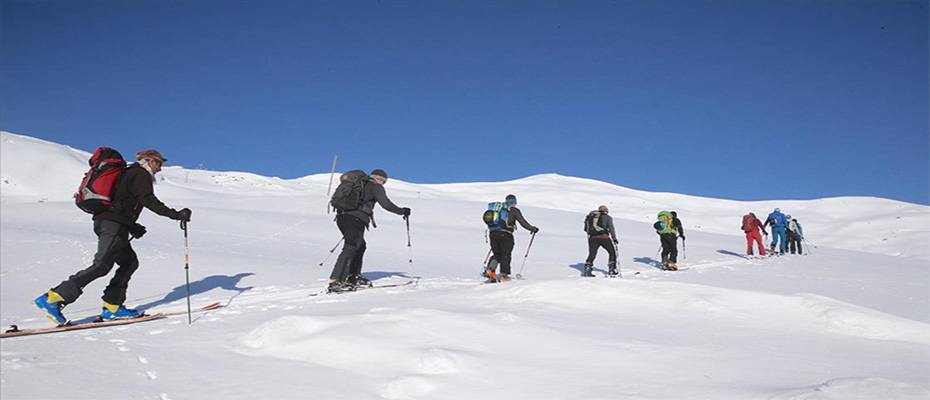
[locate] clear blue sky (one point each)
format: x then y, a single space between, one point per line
734 99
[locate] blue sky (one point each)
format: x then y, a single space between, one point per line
734 99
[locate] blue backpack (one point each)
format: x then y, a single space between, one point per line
496 216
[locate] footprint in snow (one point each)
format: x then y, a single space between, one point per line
406 387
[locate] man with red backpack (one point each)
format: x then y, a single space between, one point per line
751 226
131 190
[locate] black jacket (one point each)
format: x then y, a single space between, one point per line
374 193
676 224
132 192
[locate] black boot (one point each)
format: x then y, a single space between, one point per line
588 270
612 270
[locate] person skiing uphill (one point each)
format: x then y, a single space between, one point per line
353 220
131 192
751 227
501 219
779 223
795 235
668 237
601 233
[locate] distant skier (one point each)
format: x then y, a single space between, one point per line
795 235
601 233
668 237
779 224
131 192
751 226
501 219
354 201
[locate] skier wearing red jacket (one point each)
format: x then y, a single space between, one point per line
751 226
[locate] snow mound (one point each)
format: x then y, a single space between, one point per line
857 389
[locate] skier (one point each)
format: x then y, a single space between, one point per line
347 273
131 193
501 238
668 237
795 235
779 223
601 233
751 226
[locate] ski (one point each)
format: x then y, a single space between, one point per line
364 288
15 331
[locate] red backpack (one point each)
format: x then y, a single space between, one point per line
747 223
106 166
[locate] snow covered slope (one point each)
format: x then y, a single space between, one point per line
849 321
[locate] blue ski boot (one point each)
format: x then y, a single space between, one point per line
112 311
52 307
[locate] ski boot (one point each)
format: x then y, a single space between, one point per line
52 304
339 287
114 311
492 276
612 271
672 267
503 278
588 270
359 281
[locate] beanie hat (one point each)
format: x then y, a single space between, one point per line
380 174
511 199
602 209
150 154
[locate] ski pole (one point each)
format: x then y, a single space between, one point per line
684 249
187 273
528 247
331 251
409 247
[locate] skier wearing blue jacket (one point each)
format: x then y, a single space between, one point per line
779 224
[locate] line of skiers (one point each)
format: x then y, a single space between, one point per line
787 233
116 194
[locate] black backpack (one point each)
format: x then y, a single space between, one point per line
592 224
350 192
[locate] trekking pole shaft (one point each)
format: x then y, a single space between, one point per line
533 236
409 246
187 273
331 251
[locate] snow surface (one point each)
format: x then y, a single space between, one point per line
849 321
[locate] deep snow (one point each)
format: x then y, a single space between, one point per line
849 321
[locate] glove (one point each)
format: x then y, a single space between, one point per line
137 231
534 230
616 242
682 237
405 211
184 215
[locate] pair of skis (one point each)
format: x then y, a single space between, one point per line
364 288
15 331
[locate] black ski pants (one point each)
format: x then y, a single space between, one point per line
502 247
350 260
112 247
794 240
594 243
669 248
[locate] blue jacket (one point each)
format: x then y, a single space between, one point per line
776 218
